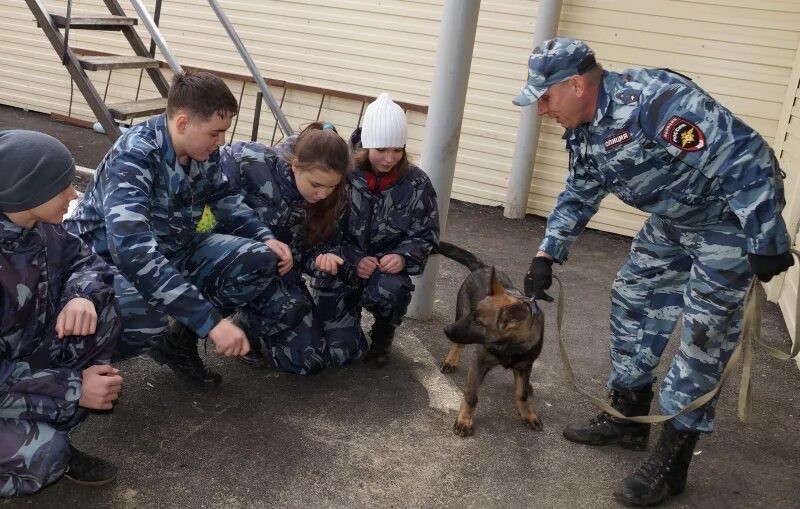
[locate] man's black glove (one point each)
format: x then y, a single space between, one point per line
539 278
765 267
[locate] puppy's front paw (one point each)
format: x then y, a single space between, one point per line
463 429
534 423
447 368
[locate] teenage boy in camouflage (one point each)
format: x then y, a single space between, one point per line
58 322
715 191
140 213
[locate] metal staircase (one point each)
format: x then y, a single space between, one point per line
144 58
77 66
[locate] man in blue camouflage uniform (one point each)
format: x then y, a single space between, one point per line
663 145
140 213
391 210
268 184
58 322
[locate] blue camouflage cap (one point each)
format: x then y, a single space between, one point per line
551 62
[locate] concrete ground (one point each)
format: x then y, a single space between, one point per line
361 437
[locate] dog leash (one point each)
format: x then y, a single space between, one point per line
751 331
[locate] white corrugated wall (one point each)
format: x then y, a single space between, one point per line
740 51
785 289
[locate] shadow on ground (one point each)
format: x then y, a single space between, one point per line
359 437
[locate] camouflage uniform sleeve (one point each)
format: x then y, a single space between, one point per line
228 204
127 182
695 130
574 209
423 233
86 274
46 395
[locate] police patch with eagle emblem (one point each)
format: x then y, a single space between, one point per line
683 134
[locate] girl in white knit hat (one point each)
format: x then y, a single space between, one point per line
392 225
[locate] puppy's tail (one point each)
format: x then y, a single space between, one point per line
461 256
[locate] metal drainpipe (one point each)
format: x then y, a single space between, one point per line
519 181
443 127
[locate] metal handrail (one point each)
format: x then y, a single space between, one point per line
155 33
262 85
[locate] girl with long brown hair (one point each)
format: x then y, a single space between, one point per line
298 192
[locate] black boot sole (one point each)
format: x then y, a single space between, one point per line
163 360
628 443
255 363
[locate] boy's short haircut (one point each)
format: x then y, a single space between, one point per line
200 94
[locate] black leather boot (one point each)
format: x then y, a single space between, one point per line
604 429
255 358
178 350
382 335
83 468
664 473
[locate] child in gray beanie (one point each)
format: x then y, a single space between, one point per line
58 322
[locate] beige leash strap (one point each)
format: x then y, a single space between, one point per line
751 329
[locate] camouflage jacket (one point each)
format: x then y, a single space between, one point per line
41 268
269 188
663 145
142 207
402 219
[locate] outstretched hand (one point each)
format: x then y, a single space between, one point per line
328 263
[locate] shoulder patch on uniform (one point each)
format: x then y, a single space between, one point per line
683 134
617 139
628 95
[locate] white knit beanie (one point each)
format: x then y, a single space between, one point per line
384 125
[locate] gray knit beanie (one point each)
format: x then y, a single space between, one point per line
34 167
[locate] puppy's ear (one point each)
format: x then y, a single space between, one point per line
495 288
512 316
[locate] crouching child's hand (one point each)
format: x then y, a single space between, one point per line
77 318
284 255
229 339
328 263
101 387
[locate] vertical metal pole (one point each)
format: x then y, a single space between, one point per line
256 117
519 182
64 56
443 127
273 104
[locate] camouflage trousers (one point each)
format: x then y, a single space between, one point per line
233 274
700 271
34 446
294 337
339 306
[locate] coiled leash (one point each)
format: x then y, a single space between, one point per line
751 331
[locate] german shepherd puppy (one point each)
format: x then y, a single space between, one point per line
506 327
